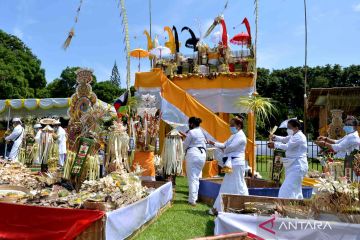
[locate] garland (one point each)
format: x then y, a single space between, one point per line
212 75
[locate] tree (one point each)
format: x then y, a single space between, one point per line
65 86
21 74
107 92
115 76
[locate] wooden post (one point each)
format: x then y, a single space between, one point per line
225 117
162 134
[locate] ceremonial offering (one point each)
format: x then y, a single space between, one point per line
173 154
83 151
277 165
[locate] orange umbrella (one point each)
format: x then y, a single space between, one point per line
139 53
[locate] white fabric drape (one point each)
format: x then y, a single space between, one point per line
217 100
46 107
121 223
284 228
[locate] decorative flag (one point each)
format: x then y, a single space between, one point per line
120 104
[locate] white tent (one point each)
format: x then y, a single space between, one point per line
39 108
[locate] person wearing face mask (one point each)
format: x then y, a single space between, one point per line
234 151
295 162
345 145
195 156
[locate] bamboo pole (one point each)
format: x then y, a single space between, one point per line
305 73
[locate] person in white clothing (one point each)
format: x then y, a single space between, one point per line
195 148
348 143
15 138
37 131
61 141
234 151
295 162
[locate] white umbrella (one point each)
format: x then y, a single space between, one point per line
284 123
160 51
216 37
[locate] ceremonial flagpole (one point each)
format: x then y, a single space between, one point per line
150 28
305 73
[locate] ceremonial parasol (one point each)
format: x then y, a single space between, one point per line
240 39
160 51
139 53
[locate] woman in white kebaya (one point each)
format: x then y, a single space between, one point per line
234 151
295 162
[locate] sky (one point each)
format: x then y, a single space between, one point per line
333 30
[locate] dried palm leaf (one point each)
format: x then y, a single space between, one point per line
263 107
68 39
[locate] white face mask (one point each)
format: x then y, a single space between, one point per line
290 132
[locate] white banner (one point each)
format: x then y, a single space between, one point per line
285 228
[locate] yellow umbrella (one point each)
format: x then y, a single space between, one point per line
139 53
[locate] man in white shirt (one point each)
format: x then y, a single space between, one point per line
61 140
16 138
348 143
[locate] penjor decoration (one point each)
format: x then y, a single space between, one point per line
191 42
72 30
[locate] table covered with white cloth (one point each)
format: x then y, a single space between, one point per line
123 222
273 227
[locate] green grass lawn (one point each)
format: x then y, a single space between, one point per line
181 221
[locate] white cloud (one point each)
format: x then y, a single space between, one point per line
356 7
18 32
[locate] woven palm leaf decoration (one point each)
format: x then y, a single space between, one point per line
71 33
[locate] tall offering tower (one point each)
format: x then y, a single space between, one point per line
82 101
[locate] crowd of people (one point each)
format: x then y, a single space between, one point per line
42 131
232 151
295 161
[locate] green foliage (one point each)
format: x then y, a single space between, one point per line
286 87
65 86
20 70
115 76
107 91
